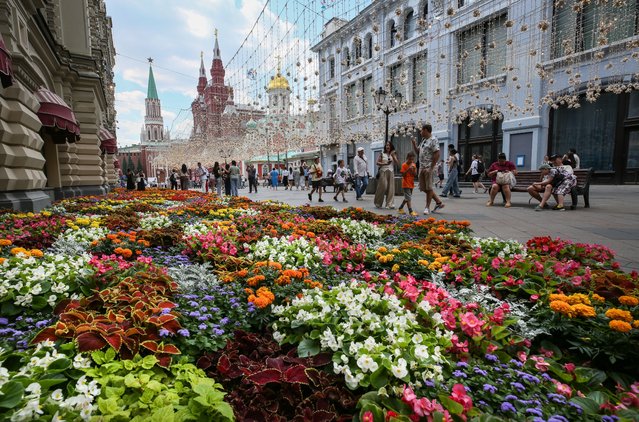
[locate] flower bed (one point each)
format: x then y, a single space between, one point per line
164 305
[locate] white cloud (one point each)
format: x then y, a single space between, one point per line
195 22
130 101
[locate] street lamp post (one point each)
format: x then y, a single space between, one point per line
387 104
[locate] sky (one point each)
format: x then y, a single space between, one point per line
174 33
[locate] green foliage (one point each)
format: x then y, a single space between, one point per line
139 390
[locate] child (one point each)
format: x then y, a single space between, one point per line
340 180
408 171
440 174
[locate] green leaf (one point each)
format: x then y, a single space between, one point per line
39 302
379 378
164 414
60 365
598 397
589 406
149 362
11 394
451 405
307 348
98 357
109 355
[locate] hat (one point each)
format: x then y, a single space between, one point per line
555 156
544 167
501 156
360 149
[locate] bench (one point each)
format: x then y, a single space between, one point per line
527 178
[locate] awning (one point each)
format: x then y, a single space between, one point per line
108 142
6 73
57 117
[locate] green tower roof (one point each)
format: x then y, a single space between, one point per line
152 92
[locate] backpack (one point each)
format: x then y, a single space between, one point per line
480 167
172 178
460 163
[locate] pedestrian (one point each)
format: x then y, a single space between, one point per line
305 176
452 184
291 178
130 180
252 178
296 177
428 153
408 171
234 175
184 177
219 180
576 158
285 174
227 179
341 173
315 173
386 180
274 178
476 170
203 175
501 172
440 174
174 179
361 174
141 180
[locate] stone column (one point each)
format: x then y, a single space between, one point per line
22 180
112 172
69 178
89 168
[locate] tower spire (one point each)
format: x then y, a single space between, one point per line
216 48
152 91
202 69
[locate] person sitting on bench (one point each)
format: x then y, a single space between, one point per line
557 181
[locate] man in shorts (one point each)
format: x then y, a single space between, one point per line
316 173
428 152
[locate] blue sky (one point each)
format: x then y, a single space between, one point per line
174 32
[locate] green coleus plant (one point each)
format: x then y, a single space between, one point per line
139 390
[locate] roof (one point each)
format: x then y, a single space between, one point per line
152 92
278 82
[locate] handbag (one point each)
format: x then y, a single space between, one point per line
377 175
504 178
557 179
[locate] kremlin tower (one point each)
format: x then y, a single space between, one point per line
153 129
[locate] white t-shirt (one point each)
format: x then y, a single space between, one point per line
473 167
285 173
340 175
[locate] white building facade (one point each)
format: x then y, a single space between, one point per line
526 77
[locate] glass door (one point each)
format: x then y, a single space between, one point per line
631 173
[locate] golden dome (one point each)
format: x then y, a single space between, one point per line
278 82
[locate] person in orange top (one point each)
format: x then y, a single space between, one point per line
408 171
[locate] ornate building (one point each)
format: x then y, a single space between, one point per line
215 114
153 130
57 101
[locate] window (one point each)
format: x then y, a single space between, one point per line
346 58
595 24
392 33
419 78
351 104
369 46
367 95
425 10
482 50
357 47
396 78
331 68
409 25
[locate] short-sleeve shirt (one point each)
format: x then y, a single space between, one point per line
408 179
427 149
234 171
507 166
316 172
340 175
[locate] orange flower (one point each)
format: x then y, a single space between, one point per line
562 308
5 242
635 324
560 297
578 298
584 310
242 273
619 315
111 236
621 326
36 253
598 298
2 260
16 251
628 300
275 265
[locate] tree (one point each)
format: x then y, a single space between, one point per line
129 165
140 168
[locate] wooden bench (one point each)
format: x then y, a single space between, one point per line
527 178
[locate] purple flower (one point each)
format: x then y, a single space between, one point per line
165 311
611 418
576 406
224 321
203 318
459 374
218 332
490 388
491 358
518 386
184 332
507 407
557 398
534 411
4 321
546 377
429 383
194 304
480 371
557 418
194 314
516 363
462 365
204 309
510 397
164 332
202 326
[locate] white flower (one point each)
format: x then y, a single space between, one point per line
278 336
57 395
421 352
399 370
34 388
367 363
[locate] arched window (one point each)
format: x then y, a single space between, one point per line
346 58
357 47
425 10
369 46
409 25
392 34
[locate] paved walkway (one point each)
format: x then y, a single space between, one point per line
612 220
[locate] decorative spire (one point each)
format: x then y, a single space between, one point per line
152 92
202 69
216 48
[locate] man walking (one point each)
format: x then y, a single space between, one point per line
316 172
203 174
361 174
428 152
252 178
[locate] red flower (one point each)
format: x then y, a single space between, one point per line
460 396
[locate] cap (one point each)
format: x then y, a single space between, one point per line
555 156
501 156
544 167
360 149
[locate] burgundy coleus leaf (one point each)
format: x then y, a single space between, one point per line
150 345
64 304
114 340
164 360
46 334
169 349
323 416
166 305
276 363
204 363
265 376
296 374
223 364
90 342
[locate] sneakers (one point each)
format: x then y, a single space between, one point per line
539 208
401 211
392 207
443 195
335 198
310 197
320 200
344 200
438 206
413 213
559 208
426 211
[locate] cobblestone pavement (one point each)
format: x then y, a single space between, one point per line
612 219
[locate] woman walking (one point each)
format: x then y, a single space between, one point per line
386 181
130 180
141 180
184 177
217 176
234 175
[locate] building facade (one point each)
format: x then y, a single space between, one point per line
57 115
527 77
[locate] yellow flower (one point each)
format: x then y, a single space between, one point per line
395 268
619 315
629 300
382 250
5 242
598 298
558 297
578 298
621 326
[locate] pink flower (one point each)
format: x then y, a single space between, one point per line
496 263
408 395
522 356
460 396
563 389
569 367
540 363
368 416
471 325
534 298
